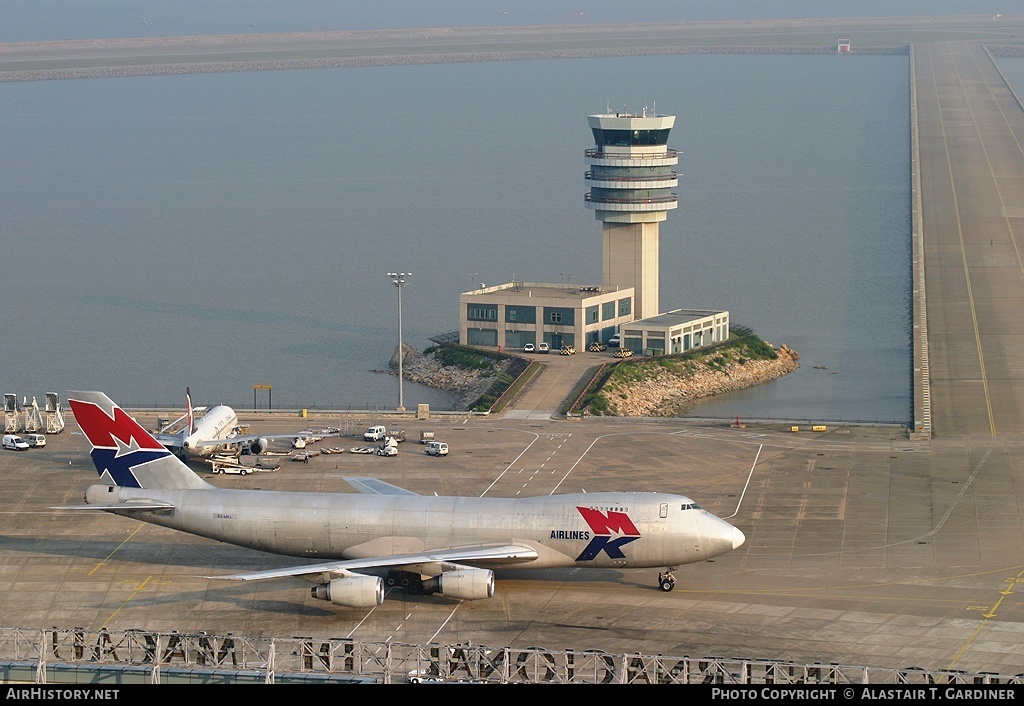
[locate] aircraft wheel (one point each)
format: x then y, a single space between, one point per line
667 585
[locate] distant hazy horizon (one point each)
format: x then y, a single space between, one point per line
40 20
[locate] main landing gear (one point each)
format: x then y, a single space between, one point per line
666 580
410 582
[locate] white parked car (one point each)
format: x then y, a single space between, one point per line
529 348
543 347
436 448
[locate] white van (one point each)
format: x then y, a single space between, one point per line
376 433
436 448
35 440
15 443
613 342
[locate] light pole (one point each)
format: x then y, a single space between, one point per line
398 279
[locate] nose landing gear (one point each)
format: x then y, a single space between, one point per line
666 580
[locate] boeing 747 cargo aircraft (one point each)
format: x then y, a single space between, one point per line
423 544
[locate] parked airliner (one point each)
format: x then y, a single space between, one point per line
424 544
216 432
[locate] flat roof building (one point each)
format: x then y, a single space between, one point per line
508 316
676 331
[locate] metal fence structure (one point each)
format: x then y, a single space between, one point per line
78 656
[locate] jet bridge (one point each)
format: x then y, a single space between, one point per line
54 414
12 421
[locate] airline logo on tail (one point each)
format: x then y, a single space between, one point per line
611 532
119 443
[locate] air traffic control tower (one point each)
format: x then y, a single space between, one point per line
631 177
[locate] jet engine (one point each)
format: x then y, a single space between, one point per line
467 584
351 591
258 446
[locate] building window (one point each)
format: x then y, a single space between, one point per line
607 311
520 314
592 314
625 307
482 312
560 316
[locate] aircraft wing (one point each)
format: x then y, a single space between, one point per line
505 553
169 439
172 425
372 486
246 438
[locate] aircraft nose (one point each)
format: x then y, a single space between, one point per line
720 536
738 538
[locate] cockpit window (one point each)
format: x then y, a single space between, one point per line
690 506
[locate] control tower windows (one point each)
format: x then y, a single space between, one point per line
626 138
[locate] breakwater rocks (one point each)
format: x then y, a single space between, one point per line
428 370
661 391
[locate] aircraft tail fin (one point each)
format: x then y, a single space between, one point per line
189 414
123 452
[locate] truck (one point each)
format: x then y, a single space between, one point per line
426 436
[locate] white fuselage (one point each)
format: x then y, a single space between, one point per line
623 530
216 425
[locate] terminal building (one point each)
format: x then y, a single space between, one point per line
631 175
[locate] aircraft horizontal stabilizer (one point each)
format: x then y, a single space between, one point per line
372 486
128 505
504 554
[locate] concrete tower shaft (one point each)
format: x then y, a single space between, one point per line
631 178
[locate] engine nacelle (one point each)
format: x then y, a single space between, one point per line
258 446
467 584
351 591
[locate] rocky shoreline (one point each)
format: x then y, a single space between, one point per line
662 393
427 370
668 394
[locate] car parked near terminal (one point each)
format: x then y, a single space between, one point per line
597 347
529 348
623 353
568 350
543 347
